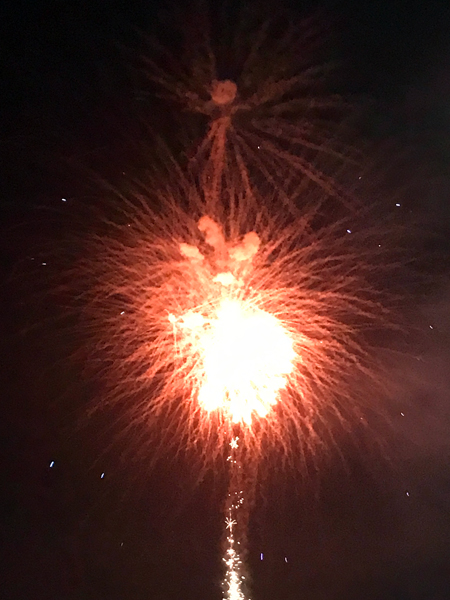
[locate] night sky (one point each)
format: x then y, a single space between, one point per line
88 512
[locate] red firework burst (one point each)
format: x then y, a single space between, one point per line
197 321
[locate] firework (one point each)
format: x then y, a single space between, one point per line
270 122
218 319
195 322
204 325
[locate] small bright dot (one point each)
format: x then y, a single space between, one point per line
121 543
261 556
359 177
64 199
44 264
431 327
52 464
379 245
398 204
349 230
102 475
123 312
407 493
403 414
285 559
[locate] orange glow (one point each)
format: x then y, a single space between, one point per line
197 320
245 355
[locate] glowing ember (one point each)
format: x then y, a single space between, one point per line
223 92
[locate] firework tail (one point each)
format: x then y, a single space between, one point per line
237 512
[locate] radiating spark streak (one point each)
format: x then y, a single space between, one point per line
230 523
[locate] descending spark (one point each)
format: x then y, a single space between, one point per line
234 443
229 523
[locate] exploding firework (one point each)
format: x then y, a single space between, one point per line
263 100
206 327
198 322
239 299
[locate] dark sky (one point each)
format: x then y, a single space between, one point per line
83 515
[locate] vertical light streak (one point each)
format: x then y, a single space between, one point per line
234 578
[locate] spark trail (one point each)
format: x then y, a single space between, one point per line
235 527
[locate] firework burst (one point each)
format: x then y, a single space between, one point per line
261 97
228 309
196 322
246 322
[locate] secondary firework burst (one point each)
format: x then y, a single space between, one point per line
263 99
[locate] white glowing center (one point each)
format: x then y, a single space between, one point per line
246 356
